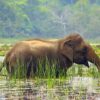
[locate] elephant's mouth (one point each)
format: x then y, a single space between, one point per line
86 64
83 61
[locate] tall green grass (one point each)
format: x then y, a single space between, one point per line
50 71
47 73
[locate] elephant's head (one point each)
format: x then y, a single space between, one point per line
78 51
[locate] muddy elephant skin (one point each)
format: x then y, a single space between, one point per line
65 51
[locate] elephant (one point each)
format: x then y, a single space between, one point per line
65 51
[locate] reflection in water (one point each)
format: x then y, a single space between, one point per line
29 93
50 90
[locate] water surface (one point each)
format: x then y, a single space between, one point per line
76 88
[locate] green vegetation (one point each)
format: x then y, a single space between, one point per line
9 40
97 49
49 18
50 72
3 49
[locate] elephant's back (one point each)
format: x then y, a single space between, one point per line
40 42
42 45
19 50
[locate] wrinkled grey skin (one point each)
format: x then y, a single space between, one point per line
66 51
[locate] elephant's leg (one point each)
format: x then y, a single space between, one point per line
10 70
61 72
31 69
65 72
57 72
28 73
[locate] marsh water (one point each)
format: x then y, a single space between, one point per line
71 88
76 88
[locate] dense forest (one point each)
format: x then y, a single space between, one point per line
49 18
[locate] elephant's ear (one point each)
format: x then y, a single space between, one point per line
67 50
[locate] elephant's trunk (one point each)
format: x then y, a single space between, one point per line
93 58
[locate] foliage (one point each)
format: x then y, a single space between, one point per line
49 18
4 49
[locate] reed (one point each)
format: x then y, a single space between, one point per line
47 71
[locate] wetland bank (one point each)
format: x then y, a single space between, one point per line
81 83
